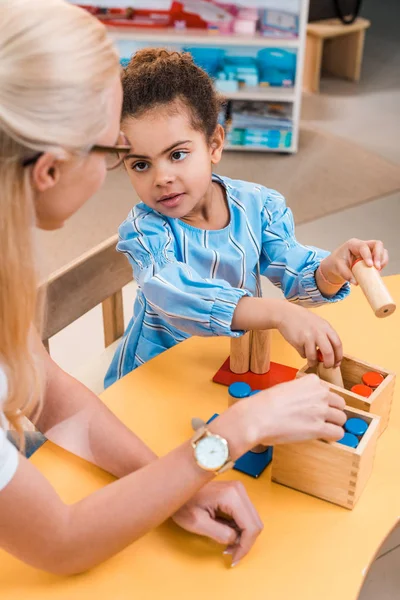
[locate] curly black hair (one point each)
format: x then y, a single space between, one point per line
156 77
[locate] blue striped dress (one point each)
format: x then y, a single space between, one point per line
190 280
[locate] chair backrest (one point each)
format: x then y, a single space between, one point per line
95 277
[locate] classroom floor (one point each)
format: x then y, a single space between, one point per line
367 113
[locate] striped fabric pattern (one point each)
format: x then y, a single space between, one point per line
190 280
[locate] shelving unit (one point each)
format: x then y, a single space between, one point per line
199 36
178 39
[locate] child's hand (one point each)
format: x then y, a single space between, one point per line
336 268
306 332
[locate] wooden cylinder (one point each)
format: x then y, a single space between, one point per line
240 353
260 351
371 283
332 375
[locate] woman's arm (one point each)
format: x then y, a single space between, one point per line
37 527
76 419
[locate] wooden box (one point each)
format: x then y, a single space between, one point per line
380 401
329 470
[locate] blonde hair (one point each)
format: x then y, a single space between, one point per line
56 69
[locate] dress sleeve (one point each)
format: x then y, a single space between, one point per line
289 265
172 288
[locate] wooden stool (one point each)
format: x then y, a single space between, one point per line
335 47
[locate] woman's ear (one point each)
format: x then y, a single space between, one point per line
45 172
217 144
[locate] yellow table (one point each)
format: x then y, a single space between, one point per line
309 549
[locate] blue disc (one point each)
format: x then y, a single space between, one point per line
356 426
349 440
239 389
254 392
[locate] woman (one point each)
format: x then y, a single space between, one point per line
60 101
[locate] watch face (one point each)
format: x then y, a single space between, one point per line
212 452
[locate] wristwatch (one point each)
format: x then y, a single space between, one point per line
211 451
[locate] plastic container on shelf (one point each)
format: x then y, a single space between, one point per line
243 69
209 59
226 86
279 23
277 67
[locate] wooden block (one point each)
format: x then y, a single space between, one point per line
331 375
352 369
374 288
260 352
240 353
330 471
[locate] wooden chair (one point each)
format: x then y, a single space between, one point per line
96 277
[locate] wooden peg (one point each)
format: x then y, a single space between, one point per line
240 353
331 375
260 351
371 283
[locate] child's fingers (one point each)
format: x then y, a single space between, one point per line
345 271
311 352
385 258
363 249
327 349
366 254
378 254
337 346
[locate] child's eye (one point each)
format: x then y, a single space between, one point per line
140 166
179 155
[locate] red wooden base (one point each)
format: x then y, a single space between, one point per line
277 374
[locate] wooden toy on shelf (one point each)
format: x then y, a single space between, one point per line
376 292
333 471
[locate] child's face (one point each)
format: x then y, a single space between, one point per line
170 164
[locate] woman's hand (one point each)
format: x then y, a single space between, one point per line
297 411
222 511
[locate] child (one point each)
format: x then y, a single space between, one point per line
197 242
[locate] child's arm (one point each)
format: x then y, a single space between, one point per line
288 264
174 290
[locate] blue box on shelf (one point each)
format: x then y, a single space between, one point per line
209 59
277 67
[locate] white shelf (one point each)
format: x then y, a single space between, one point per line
201 37
198 36
259 149
266 94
